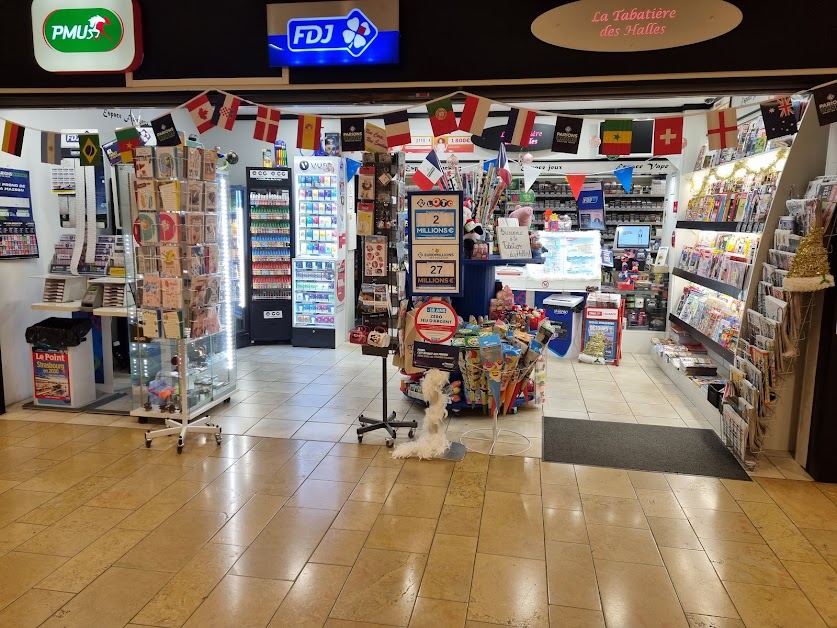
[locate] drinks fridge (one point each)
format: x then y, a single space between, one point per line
319 266
271 240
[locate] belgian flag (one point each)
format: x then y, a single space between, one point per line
13 138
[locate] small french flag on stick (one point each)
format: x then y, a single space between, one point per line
428 173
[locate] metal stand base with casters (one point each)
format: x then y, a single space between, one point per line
183 427
389 423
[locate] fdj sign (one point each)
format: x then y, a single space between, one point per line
353 33
87 35
83 30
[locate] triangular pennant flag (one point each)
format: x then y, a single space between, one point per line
127 140
13 138
352 166
308 132
165 131
576 181
201 111
530 175
487 164
90 153
625 176
50 148
441 115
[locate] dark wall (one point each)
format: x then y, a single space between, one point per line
458 40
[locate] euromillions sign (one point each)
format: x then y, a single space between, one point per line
81 36
323 34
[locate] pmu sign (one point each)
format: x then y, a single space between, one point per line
333 33
80 36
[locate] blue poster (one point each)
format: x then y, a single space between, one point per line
591 206
17 224
609 329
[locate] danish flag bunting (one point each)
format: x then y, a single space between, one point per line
267 124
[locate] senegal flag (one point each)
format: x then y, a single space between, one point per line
616 137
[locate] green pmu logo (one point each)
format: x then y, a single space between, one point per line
83 30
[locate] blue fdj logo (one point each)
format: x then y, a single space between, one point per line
353 33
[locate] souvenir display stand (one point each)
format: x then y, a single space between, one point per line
182 325
604 314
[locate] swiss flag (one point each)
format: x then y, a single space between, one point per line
668 136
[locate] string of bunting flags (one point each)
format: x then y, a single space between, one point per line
780 116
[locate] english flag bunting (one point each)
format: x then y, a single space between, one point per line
722 128
779 118
201 111
308 132
503 165
519 128
398 128
267 124
13 138
474 115
441 115
227 112
428 173
668 136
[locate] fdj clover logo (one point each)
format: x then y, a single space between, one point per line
83 30
353 33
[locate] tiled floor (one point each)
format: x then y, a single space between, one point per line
97 530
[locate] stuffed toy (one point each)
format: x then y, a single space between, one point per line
523 215
473 230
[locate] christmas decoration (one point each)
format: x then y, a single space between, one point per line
809 270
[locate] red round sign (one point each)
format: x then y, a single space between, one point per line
436 321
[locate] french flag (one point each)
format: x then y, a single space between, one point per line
519 129
503 170
428 173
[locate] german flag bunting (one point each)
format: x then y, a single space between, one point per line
13 138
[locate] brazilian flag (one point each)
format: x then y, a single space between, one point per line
90 150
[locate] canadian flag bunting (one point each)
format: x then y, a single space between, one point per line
201 111
267 124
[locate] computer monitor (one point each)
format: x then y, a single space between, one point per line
633 236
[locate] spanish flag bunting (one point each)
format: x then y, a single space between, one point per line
616 137
13 138
308 132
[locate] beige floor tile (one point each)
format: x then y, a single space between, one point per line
775 607
608 407
311 598
321 494
497 591
275 428
5 485
665 422
722 526
175 542
74 532
260 462
339 547
784 538
420 501
674 533
660 503
803 502
83 568
402 534
120 442
329 432
382 588
248 522
61 505
514 475
570 575
227 493
613 511
162 506
706 621
697 585
236 446
563 497
239 601
465 489
790 468
111 600
16 534
207 470
459 520
33 608
744 491
557 473
137 488
566 617
623 544
638 595
564 525
289 478
173 605
648 480
286 412
375 485
512 525
819 583
61 476
235 424
350 450
360 516
430 613
15 458
748 563
449 568
605 482
825 542
20 571
129 463
426 472
714 497
285 545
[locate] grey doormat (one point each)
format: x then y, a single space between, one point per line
639 448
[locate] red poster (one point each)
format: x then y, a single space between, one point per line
52 377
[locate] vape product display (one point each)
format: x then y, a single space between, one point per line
271 249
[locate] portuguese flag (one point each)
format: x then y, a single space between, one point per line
13 138
616 137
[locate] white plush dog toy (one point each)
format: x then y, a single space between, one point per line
432 441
